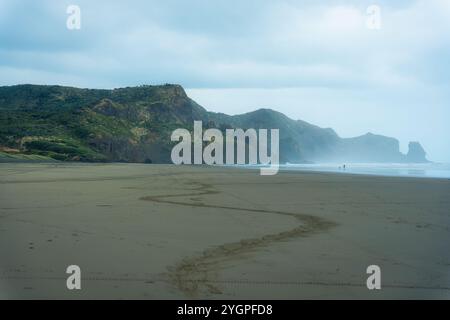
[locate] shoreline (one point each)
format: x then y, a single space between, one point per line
282 168
165 231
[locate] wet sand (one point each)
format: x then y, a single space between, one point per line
161 231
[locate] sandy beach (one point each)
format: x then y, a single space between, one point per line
164 231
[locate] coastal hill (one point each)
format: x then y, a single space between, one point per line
134 124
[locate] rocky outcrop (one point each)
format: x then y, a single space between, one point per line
416 153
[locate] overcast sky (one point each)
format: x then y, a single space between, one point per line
312 60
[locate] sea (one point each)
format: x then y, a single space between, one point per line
422 170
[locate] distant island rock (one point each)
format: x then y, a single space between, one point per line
134 124
416 153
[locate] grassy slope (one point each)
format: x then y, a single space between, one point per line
79 124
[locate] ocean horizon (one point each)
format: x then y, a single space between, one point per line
417 170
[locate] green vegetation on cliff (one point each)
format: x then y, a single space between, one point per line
134 125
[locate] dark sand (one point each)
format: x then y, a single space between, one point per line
160 231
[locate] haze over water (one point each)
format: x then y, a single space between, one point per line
422 170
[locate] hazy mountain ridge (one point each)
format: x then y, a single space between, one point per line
134 124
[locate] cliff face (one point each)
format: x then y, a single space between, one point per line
369 148
135 124
127 124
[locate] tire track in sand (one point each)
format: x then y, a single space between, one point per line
197 274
